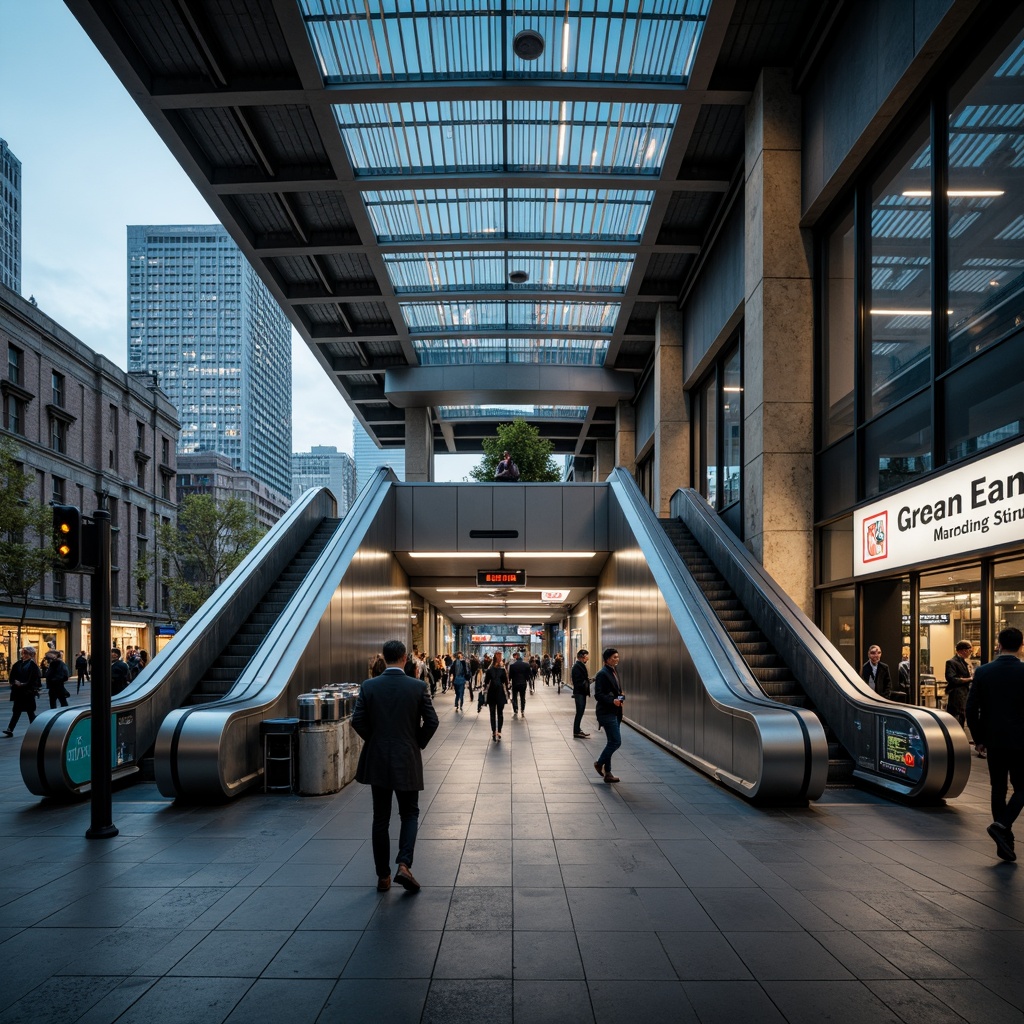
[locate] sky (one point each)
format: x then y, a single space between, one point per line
91 165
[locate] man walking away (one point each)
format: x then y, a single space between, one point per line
519 678
395 718
608 697
82 668
57 676
580 692
995 715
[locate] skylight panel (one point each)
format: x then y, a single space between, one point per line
531 412
533 351
450 317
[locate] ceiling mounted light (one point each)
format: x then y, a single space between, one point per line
528 44
518 277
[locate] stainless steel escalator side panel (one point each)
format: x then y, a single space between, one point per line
354 592
172 676
856 713
688 687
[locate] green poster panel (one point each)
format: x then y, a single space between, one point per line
78 752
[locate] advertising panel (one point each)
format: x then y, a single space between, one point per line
968 509
901 749
78 750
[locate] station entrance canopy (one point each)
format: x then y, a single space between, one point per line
465 183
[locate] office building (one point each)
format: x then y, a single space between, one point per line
95 437
10 219
200 318
214 474
368 456
325 466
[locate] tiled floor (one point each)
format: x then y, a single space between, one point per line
548 895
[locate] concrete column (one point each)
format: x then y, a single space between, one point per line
419 446
778 493
604 462
625 437
671 420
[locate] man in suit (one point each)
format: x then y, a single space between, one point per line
958 680
995 714
395 718
876 673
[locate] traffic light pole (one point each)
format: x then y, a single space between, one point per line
102 826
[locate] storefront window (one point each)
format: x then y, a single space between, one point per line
838 622
1009 596
838 359
732 425
718 432
709 442
899 296
950 612
986 206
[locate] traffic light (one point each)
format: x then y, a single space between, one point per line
67 536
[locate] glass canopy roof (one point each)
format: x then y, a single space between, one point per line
533 412
461 351
417 40
452 317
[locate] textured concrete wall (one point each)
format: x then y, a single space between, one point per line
778 344
671 418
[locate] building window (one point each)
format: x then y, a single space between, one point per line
140 524
140 474
15 415
60 586
718 431
15 359
140 436
58 435
165 451
165 486
58 490
57 386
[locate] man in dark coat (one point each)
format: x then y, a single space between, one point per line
958 680
875 672
995 714
395 718
25 684
580 692
608 697
120 676
519 680
57 676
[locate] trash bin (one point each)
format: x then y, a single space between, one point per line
320 758
278 735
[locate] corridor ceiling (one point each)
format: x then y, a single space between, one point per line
486 188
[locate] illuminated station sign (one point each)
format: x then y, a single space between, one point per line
501 577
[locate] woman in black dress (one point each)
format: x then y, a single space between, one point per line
496 687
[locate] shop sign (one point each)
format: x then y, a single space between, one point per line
479 638
929 619
524 630
975 507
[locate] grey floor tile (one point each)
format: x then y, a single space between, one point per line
911 956
860 959
390 1001
551 1002
468 1002
910 1000
196 1000
622 1001
744 910
838 1002
394 954
271 1000
541 909
126 992
546 956
230 954
786 956
426 910
634 956
309 954
483 908
727 1002
472 955
620 908
284 906
58 999
703 956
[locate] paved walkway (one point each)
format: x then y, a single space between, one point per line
548 896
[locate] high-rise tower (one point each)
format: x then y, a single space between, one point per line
200 318
10 219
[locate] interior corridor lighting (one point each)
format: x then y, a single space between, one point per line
957 193
509 555
903 312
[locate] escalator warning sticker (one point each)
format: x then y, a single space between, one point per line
901 748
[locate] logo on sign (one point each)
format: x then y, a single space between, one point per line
876 537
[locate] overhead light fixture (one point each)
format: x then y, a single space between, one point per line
528 44
518 277
903 312
512 556
956 193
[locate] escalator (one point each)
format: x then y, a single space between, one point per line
767 666
222 675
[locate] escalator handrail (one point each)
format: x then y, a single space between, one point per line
791 627
709 639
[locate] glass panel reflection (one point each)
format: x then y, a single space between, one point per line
552 316
898 447
838 359
898 325
470 136
415 40
490 271
554 351
986 205
732 393
533 412
709 442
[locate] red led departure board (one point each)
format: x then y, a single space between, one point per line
501 577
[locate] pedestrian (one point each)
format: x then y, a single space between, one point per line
57 676
519 680
875 672
120 677
608 697
507 469
143 659
556 672
995 715
545 668
580 692
395 718
495 689
534 669
959 674
459 671
475 677
377 665
82 668
132 661
25 684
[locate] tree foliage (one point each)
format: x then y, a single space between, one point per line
530 452
204 548
26 548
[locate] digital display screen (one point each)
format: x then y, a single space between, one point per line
901 748
501 577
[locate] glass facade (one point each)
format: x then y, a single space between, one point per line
921 333
718 431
